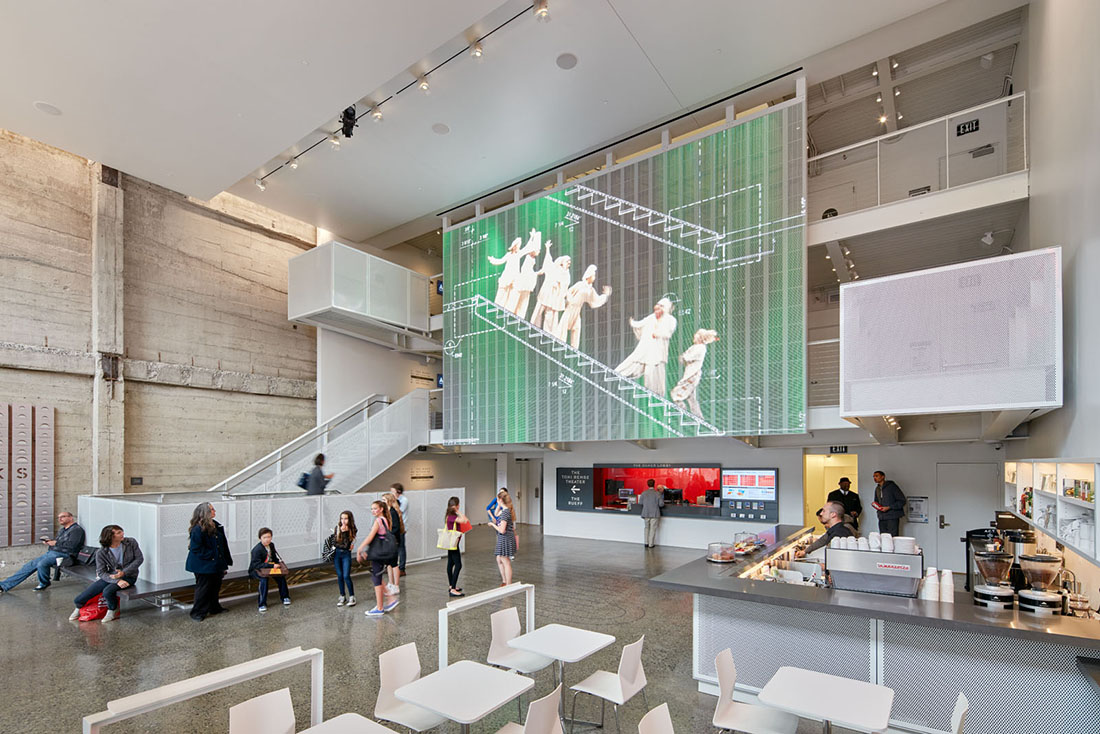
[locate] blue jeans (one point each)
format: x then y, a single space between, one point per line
342 561
283 592
42 564
99 586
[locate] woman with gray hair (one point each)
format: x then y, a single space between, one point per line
208 558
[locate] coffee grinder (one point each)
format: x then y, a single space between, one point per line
1018 543
979 540
1044 597
995 592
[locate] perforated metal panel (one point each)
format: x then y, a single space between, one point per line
5 475
764 638
21 471
984 335
1013 685
43 471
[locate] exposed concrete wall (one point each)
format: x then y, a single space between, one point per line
214 375
184 438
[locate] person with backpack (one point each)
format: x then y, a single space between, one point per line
397 522
380 547
316 481
116 567
343 542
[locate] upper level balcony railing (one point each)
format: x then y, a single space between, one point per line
976 144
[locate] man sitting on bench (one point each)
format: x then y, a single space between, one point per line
69 540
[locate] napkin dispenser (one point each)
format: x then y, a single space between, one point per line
874 572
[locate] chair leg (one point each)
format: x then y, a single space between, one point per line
618 726
603 707
573 718
645 700
519 707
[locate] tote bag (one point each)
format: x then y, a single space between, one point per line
383 547
448 539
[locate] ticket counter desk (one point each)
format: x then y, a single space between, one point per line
1019 672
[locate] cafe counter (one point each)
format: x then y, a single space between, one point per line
927 651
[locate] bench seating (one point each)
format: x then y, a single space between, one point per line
142 588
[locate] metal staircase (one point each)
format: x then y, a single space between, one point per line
359 444
644 405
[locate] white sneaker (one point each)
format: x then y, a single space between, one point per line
111 614
75 615
340 601
393 589
351 601
286 602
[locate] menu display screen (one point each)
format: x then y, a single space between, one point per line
749 484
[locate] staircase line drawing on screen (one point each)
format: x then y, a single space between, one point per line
602 377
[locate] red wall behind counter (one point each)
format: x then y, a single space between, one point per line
694 480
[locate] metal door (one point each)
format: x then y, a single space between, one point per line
966 497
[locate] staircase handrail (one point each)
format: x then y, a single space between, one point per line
277 455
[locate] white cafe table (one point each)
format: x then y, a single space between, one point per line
348 724
465 691
853 704
562 643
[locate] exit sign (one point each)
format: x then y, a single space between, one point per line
838 449
965 128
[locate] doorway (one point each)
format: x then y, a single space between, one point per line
967 495
821 474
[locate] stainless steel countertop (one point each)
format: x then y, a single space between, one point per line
720 579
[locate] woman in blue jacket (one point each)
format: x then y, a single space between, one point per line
208 558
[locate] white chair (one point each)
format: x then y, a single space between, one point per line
271 713
542 717
730 715
958 716
505 626
618 688
398 667
657 721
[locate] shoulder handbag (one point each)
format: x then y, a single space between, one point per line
383 547
86 555
303 480
448 539
329 550
465 527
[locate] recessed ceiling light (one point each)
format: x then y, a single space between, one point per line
566 61
47 108
440 129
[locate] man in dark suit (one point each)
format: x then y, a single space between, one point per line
889 503
844 495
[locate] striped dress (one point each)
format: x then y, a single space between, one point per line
506 541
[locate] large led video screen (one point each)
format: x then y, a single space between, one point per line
660 298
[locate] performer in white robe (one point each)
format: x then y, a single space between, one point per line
650 356
507 278
551 298
581 293
528 276
692 359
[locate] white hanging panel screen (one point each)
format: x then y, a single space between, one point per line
978 336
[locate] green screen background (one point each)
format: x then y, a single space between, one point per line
717 225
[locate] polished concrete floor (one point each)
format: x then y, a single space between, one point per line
56 672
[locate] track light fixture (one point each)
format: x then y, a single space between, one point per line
348 122
476 51
292 164
335 141
897 91
376 113
878 98
423 85
882 119
987 239
901 116
893 63
260 184
874 70
542 11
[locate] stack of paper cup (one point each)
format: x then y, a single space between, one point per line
947 586
930 587
874 541
851 543
863 544
836 542
887 543
905 544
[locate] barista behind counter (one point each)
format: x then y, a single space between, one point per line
832 515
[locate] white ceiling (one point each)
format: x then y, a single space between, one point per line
201 96
194 95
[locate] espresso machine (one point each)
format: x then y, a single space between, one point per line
995 592
1044 594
